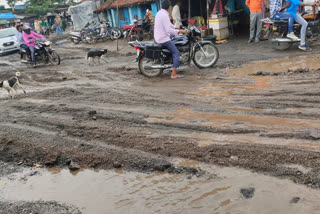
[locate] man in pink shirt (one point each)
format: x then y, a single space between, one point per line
29 38
163 28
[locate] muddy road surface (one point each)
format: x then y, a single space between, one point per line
256 110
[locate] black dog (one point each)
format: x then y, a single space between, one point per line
93 54
12 84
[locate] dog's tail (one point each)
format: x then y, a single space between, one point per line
18 74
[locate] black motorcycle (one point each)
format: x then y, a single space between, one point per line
277 30
43 54
154 58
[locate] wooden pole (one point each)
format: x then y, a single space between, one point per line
117 24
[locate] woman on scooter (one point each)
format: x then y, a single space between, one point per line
292 8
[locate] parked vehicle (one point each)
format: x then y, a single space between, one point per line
143 28
277 31
8 41
126 29
43 54
154 59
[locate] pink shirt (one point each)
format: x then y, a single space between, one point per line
163 28
29 39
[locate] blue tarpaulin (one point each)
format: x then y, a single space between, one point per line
7 16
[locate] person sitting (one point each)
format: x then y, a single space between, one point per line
29 38
275 13
292 8
21 43
135 20
163 28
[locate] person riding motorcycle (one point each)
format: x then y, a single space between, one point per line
20 39
292 8
277 14
29 38
162 30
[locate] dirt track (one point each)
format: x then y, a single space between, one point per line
109 116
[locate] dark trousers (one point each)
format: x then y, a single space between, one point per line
26 48
174 51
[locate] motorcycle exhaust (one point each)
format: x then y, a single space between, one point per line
148 67
283 40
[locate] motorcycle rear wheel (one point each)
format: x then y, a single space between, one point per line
279 46
148 73
201 60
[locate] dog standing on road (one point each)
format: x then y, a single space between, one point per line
12 85
95 54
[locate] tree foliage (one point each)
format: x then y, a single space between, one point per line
43 6
12 3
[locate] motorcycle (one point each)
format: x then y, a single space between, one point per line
78 36
141 29
277 30
154 59
43 54
126 29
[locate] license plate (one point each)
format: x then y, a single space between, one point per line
274 28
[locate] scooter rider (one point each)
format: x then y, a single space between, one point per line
30 40
163 28
292 8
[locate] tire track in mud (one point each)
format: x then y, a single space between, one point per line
119 134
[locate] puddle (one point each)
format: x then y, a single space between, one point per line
278 65
213 119
117 191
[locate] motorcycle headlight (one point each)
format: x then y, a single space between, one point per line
47 43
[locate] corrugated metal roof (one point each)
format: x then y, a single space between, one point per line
122 3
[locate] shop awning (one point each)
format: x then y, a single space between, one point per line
122 3
7 16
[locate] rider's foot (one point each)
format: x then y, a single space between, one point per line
304 48
177 76
250 41
293 36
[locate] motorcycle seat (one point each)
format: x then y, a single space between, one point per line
280 22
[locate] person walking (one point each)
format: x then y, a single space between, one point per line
255 7
163 28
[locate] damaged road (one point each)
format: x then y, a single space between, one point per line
260 116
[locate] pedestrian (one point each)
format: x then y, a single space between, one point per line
163 28
149 14
58 25
255 7
64 24
176 15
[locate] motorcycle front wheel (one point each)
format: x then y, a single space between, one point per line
54 58
206 56
143 62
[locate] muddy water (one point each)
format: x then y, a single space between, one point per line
278 65
116 191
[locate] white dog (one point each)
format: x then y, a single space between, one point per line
12 85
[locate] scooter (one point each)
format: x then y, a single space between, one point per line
278 29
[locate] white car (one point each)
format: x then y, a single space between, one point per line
8 41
